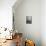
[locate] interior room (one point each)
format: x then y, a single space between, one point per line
22 22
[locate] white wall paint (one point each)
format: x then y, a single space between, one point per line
39 20
6 13
29 8
43 22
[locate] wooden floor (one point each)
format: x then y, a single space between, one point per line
9 43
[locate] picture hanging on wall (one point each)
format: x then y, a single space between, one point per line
28 19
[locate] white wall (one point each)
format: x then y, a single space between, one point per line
43 22
29 8
6 13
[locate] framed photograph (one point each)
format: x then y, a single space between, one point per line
28 19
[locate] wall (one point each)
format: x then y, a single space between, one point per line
6 13
29 8
43 22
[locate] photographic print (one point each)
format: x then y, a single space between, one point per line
28 19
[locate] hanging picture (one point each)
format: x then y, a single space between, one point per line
28 19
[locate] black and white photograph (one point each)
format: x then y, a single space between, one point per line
28 19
